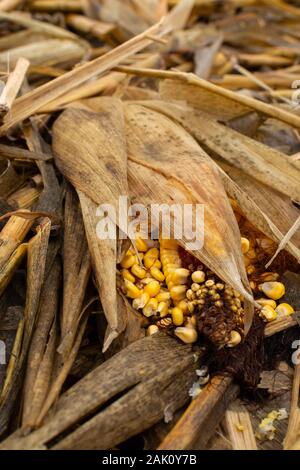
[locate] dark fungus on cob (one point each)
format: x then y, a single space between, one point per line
180 295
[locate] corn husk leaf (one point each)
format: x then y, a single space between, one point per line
37 250
252 195
90 150
102 85
38 26
164 152
77 271
104 258
191 89
41 351
217 106
265 164
122 14
47 52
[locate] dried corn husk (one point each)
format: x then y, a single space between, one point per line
267 165
47 52
90 148
177 160
268 210
31 102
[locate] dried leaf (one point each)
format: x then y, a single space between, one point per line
98 170
37 250
239 427
267 165
28 104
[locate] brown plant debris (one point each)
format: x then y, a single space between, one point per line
117 117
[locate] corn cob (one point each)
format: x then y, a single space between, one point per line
178 294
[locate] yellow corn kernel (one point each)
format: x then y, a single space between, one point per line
195 287
177 316
267 245
152 288
191 306
245 244
150 308
131 290
140 244
183 305
273 290
169 244
269 276
127 275
235 339
198 277
268 313
178 292
128 261
168 251
151 330
180 276
186 334
247 261
163 309
138 271
264 302
146 280
169 254
250 269
150 257
141 300
191 322
166 262
284 309
157 264
163 296
251 254
190 294
157 274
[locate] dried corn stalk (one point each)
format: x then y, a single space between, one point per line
161 372
240 428
31 102
37 249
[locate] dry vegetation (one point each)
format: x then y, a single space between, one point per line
121 344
